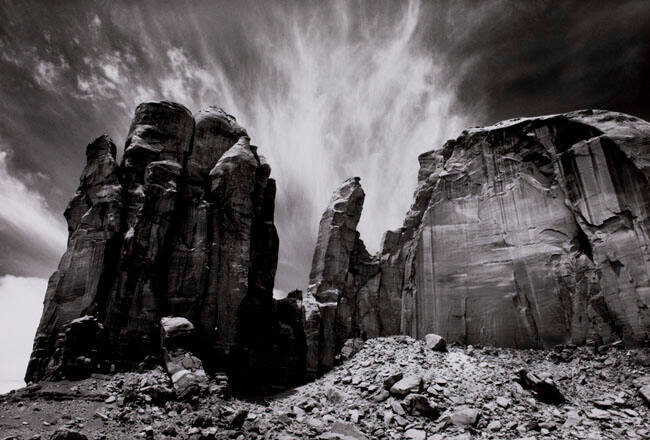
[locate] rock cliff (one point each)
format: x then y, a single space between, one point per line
341 268
530 233
182 227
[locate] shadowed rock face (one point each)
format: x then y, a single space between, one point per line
529 233
183 227
338 306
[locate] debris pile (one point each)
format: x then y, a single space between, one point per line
392 388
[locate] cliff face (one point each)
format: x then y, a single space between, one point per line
183 227
529 233
535 233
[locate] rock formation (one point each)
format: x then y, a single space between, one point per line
183 227
530 233
185 370
337 303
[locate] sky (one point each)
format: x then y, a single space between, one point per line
326 89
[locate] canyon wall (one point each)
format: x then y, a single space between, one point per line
529 233
182 227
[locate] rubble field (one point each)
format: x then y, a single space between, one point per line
391 388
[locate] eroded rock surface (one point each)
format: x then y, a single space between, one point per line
533 232
337 304
183 227
530 233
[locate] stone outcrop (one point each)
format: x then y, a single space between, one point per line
530 233
182 227
337 304
185 370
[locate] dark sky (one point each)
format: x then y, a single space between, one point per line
326 89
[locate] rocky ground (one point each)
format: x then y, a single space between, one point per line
393 388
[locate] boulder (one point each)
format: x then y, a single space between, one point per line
186 373
644 391
350 348
415 434
411 383
392 379
68 434
176 331
419 405
435 342
465 416
347 431
334 395
185 370
544 390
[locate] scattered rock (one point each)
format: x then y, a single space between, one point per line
67 434
464 416
392 379
415 434
334 395
419 405
478 382
544 390
347 431
407 385
494 425
435 342
238 419
644 391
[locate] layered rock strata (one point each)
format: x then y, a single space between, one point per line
530 233
182 227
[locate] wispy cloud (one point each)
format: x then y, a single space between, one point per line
333 95
48 73
328 95
326 89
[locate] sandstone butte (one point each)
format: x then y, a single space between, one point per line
530 233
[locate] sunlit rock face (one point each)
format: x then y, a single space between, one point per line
532 233
529 233
183 227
